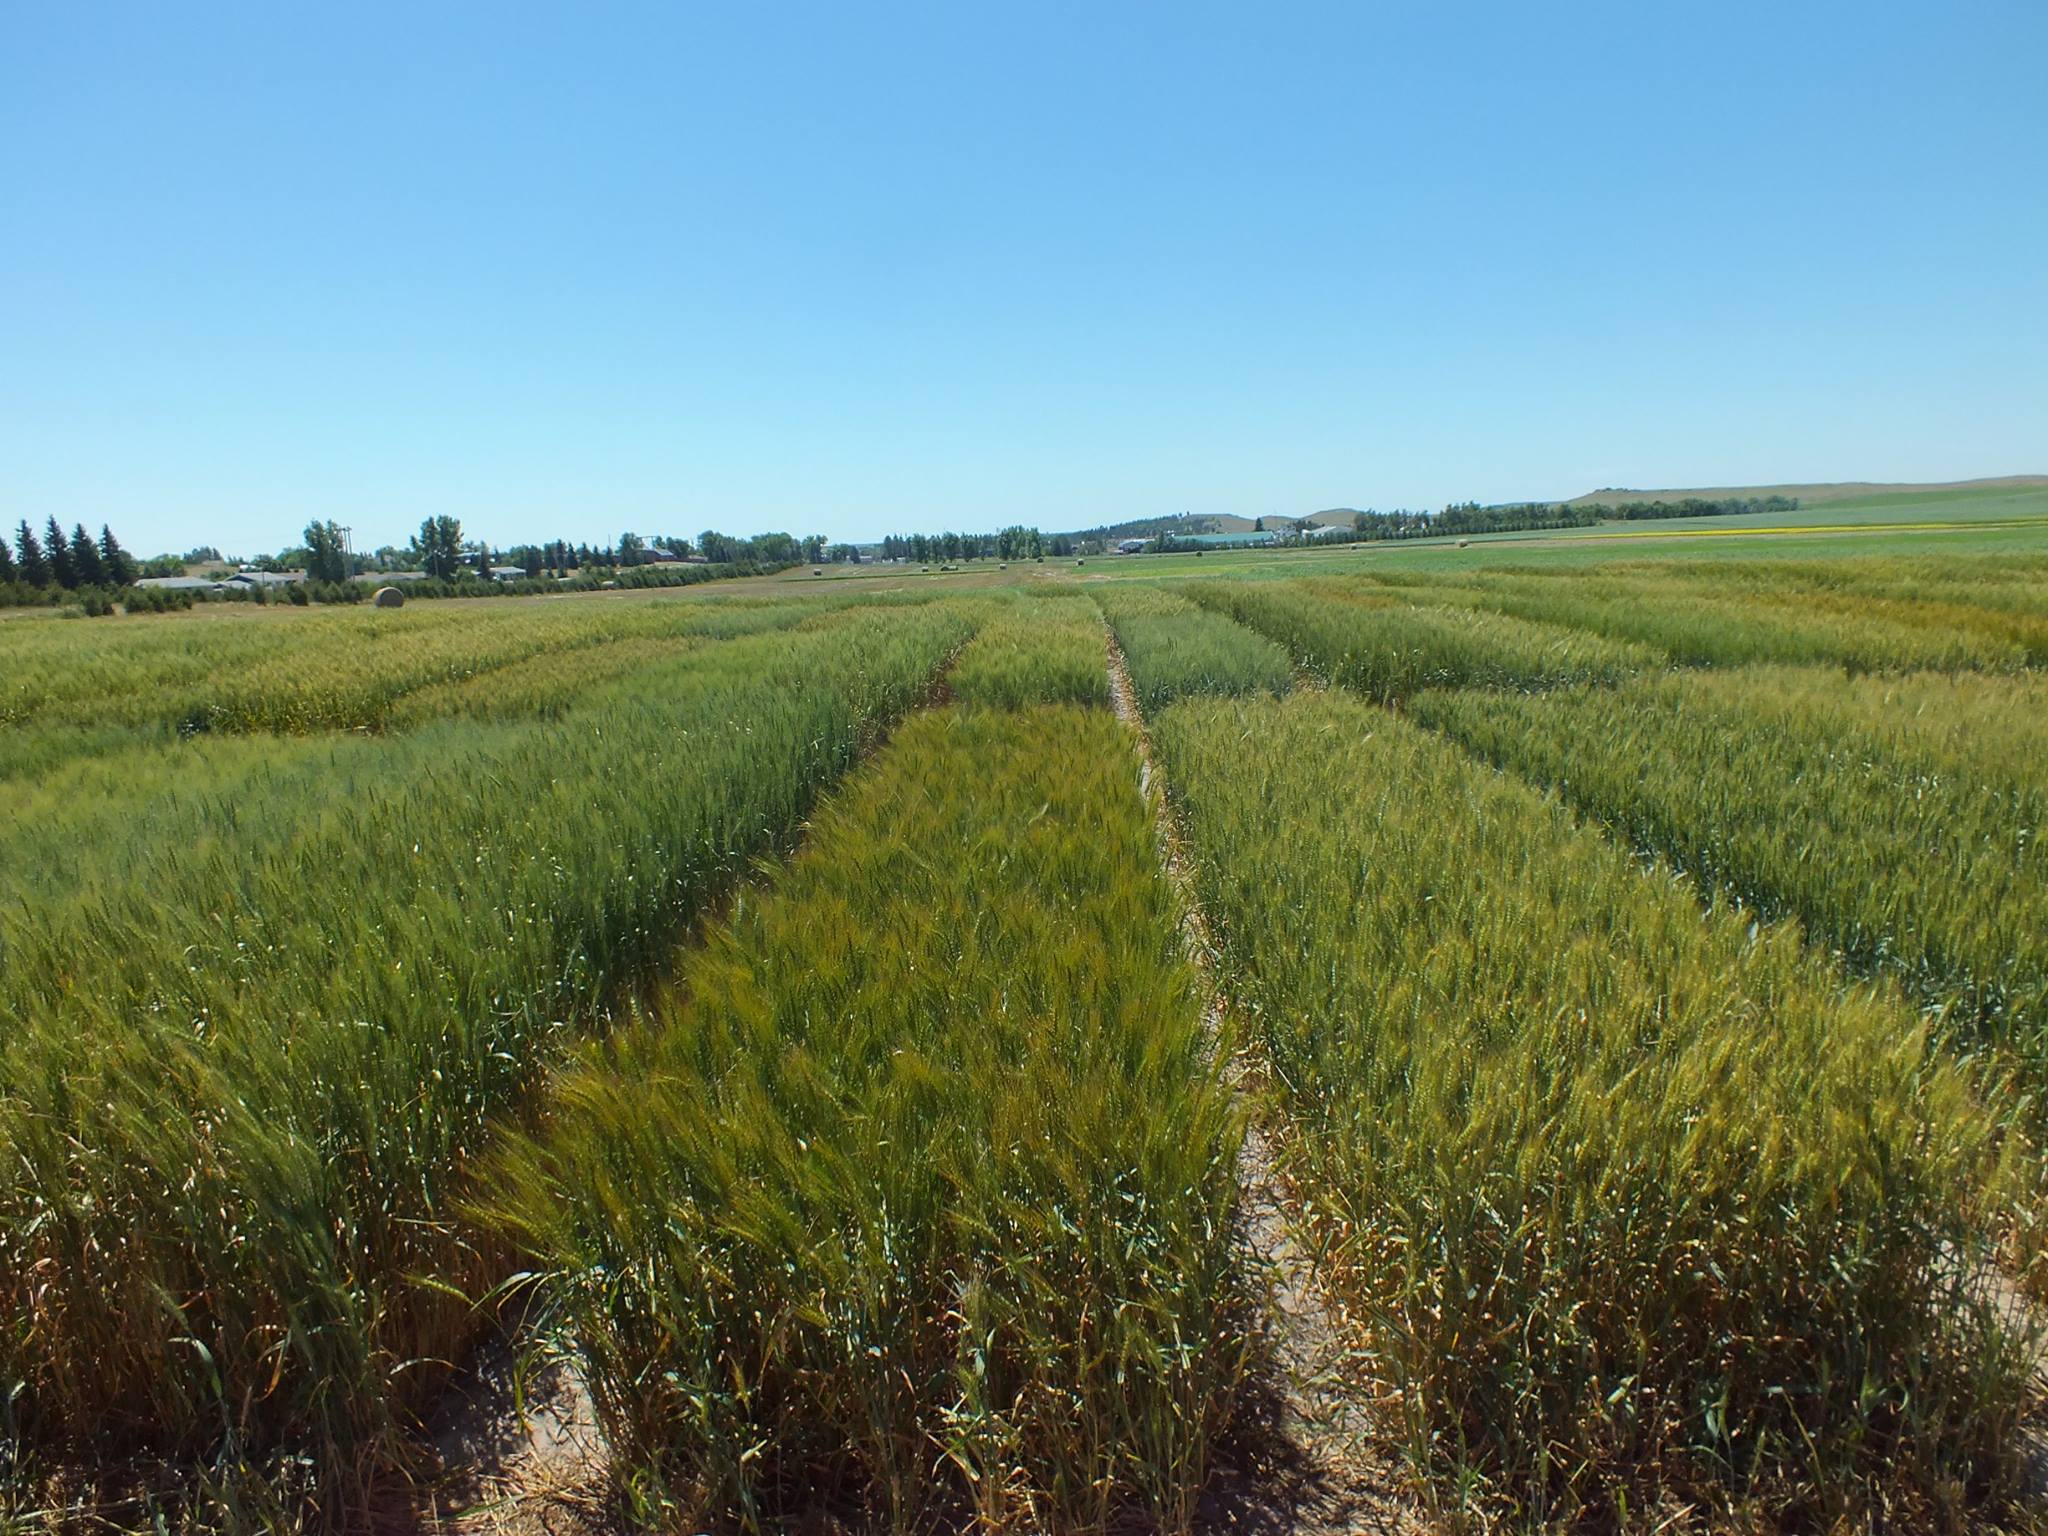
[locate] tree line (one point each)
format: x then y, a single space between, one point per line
443 552
43 568
1465 518
1013 543
455 565
1696 506
46 568
53 566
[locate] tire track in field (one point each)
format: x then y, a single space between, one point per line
1311 1462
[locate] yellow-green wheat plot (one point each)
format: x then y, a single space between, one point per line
1896 817
259 1038
1387 648
353 963
912 1198
1036 650
1637 1199
257 669
1862 616
1173 647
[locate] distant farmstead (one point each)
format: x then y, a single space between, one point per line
180 583
241 581
251 581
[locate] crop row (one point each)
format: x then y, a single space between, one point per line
1174 648
1035 650
252 1059
1634 1199
299 670
910 1203
1839 614
1387 647
1897 819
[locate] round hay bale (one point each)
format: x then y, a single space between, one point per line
389 597
1463 543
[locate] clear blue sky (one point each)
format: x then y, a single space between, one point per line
852 268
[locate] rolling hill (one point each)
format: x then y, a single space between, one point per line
1818 494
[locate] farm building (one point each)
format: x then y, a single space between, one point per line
179 583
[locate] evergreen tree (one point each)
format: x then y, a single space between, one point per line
34 564
7 571
120 566
58 550
85 558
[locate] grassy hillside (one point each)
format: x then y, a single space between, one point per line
1833 492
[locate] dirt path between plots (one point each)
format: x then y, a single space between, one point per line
524 1455
1312 1461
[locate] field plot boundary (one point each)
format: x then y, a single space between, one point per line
515 1435
884 686
1317 1464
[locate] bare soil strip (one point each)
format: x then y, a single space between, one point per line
1311 1460
523 1451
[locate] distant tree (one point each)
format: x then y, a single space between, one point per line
483 560
7 567
326 554
438 547
632 549
85 558
717 547
164 565
205 554
58 548
116 563
33 563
